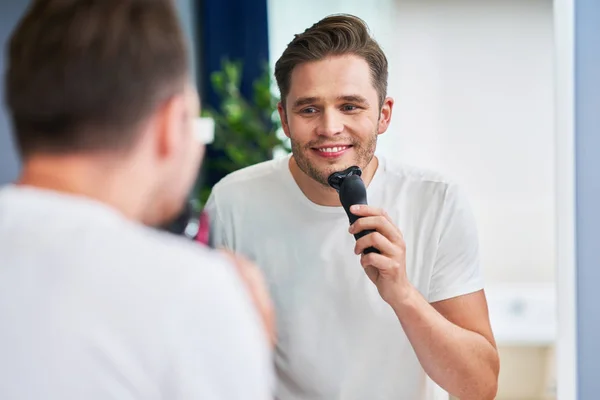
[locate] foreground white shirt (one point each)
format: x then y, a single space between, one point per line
93 306
337 338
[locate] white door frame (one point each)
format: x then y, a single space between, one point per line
566 274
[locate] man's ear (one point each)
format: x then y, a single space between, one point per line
283 118
385 115
170 121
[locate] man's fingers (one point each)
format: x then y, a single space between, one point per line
258 288
379 224
377 240
383 264
363 210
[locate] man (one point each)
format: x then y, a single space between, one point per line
94 304
357 327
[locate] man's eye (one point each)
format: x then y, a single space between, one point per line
349 107
308 110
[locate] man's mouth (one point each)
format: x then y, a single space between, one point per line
332 150
335 149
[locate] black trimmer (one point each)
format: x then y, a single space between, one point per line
352 191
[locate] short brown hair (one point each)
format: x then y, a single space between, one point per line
334 35
83 74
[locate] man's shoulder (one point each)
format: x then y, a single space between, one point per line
255 174
172 261
402 172
419 186
255 184
181 252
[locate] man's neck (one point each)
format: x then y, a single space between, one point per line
325 195
95 178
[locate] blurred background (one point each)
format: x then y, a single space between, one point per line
475 91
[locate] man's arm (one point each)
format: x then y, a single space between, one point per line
450 331
453 341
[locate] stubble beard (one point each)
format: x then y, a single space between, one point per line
362 157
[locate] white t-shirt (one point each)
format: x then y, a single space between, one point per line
93 306
337 338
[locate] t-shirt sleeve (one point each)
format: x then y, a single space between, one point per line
218 348
218 235
457 269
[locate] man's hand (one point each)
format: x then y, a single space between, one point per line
456 349
388 269
255 283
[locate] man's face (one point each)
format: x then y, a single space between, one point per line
332 115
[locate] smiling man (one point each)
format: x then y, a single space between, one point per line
354 325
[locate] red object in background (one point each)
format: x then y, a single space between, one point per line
203 229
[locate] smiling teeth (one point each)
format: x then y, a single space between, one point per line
332 149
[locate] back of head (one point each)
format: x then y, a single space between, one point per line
83 74
333 36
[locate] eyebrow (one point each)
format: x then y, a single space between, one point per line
302 101
352 98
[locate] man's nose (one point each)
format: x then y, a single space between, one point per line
330 124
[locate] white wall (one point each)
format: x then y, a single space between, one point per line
473 83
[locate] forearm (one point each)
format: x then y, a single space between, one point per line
462 362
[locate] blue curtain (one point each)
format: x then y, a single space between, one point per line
236 30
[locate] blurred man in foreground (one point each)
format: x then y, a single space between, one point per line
93 303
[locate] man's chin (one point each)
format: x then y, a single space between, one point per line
176 219
319 169
338 167
325 173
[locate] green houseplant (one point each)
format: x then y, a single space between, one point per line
247 130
